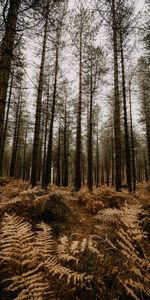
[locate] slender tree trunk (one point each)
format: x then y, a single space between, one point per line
97 158
78 136
45 133
6 54
147 118
107 169
65 179
145 167
90 139
132 142
58 160
47 176
39 167
24 155
83 170
127 142
113 175
102 172
16 139
117 103
38 110
5 129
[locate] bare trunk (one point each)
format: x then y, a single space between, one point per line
132 142
97 158
117 104
113 175
147 119
78 137
24 155
107 168
90 137
5 129
102 172
47 176
58 160
38 112
45 133
127 142
15 139
6 54
65 179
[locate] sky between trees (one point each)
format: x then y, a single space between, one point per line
33 47
84 66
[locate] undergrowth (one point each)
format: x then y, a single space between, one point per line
100 251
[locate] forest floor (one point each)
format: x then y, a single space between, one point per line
97 247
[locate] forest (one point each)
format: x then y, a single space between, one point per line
74 149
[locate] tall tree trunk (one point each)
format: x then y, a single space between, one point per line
47 176
90 129
147 120
15 139
78 136
145 167
2 146
127 142
38 109
45 132
65 179
6 54
39 167
58 160
102 172
107 168
113 175
97 158
117 103
24 155
132 142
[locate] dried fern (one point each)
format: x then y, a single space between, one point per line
47 252
18 257
125 237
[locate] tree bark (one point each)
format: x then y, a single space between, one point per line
45 132
6 54
147 121
78 136
117 103
127 142
132 142
65 179
58 160
90 131
15 139
47 176
97 158
3 140
24 155
38 111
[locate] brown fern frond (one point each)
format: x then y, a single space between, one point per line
51 262
109 215
44 242
30 284
16 240
19 258
63 250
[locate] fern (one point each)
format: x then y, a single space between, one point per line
18 256
47 251
109 263
125 236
